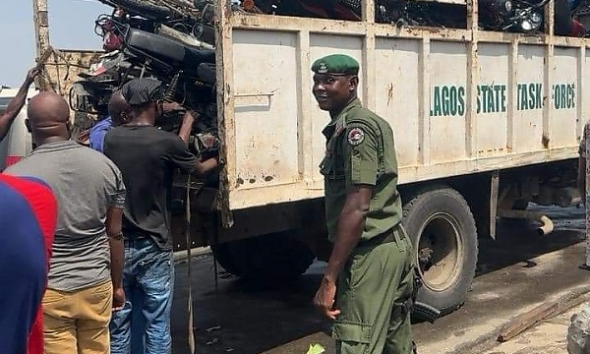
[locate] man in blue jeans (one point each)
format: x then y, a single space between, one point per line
147 158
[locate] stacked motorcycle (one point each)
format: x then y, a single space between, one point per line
174 42
171 41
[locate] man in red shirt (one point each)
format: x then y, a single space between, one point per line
27 223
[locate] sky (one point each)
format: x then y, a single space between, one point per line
71 26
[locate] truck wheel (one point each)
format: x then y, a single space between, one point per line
273 257
444 235
223 257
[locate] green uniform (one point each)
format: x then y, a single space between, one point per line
378 277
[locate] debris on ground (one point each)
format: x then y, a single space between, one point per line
315 349
578 333
526 320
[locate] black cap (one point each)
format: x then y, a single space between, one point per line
138 92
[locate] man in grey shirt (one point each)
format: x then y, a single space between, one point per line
85 277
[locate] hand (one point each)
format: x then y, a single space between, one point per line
209 140
168 107
118 299
324 299
31 74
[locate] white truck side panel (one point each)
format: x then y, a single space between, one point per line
529 105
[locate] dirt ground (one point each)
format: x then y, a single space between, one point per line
548 337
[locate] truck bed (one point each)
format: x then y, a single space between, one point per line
459 101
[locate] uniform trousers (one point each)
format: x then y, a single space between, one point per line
371 293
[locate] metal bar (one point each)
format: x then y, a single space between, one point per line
512 92
305 124
547 70
369 57
547 89
225 104
435 33
472 81
328 26
368 11
549 21
424 108
41 23
581 111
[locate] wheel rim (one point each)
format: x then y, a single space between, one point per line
440 252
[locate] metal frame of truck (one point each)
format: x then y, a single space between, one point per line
266 219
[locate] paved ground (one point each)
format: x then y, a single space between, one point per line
516 272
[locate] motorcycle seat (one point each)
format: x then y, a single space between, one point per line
193 56
167 49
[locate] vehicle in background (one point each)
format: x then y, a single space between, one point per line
18 142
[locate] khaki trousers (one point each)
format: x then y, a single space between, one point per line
78 322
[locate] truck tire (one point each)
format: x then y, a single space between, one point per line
223 256
443 232
273 257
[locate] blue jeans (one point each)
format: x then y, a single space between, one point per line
148 275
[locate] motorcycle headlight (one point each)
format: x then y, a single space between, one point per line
536 18
526 25
508 6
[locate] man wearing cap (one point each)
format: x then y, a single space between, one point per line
147 158
369 277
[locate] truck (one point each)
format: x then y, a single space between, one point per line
18 142
485 122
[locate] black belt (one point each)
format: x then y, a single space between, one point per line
386 237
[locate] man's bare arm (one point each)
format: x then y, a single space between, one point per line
187 120
350 228
114 226
582 178
16 104
185 129
205 167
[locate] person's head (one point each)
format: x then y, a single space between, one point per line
119 109
48 118
145 96
335 81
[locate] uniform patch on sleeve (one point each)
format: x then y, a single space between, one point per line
355 136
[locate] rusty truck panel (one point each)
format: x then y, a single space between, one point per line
459 101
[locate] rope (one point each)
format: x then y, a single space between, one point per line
191 335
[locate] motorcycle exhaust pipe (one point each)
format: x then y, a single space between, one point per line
170 32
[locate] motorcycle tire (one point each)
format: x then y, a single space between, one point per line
144 9
207 73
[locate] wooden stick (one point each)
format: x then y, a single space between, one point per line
526 320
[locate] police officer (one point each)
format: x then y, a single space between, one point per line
370 270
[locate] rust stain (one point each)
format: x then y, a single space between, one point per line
545 140
389 93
